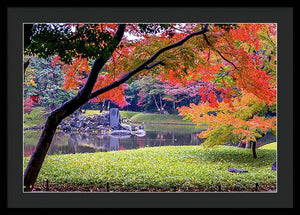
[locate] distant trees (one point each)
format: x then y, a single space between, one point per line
98 60
75 45
45 83
156 96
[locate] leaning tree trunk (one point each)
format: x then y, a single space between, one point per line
85 94
56 116
45 140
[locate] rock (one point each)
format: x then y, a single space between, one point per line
274 166
36 127
78 124
72 123
125 127
133 127
65 127
236 170
114 118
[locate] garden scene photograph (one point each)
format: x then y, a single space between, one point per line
150 107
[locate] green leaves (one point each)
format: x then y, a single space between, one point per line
219 136
68 41
48 83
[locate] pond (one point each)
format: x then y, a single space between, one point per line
83 142
156 135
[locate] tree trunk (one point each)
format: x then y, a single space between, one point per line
108 106
173 138
45 140
254 149
156 104
39 154
102 106
161 106
56 116
248 145
85 94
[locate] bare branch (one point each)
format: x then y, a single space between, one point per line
205 37
155 64
270 39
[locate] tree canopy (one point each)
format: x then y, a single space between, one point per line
232 65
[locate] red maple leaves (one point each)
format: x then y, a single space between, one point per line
229 53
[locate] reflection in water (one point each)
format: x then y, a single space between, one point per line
71 143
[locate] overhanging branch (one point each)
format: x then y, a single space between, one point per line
228 61
155 64
83 95
145 65
100 62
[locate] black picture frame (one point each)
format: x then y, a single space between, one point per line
13 159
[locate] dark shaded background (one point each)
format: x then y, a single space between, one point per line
17 199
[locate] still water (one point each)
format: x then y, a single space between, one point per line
75 142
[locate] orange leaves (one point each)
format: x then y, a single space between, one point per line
76 76
231 62
262 123
55 60
76 73
258 83
241 117
247 33
116 95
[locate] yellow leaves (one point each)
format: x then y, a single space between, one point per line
239 120
29 82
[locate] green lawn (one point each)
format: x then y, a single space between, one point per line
128 114
174 128
92 112
147 117
186 167
159 118
35 118
271 146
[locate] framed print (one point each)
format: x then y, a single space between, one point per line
150 107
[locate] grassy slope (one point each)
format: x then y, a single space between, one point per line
36 117
128 114
160 118
147 117
186 167
270 146
174 128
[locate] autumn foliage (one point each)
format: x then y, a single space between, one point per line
236 65
28 105
76 75
237 121
245 87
